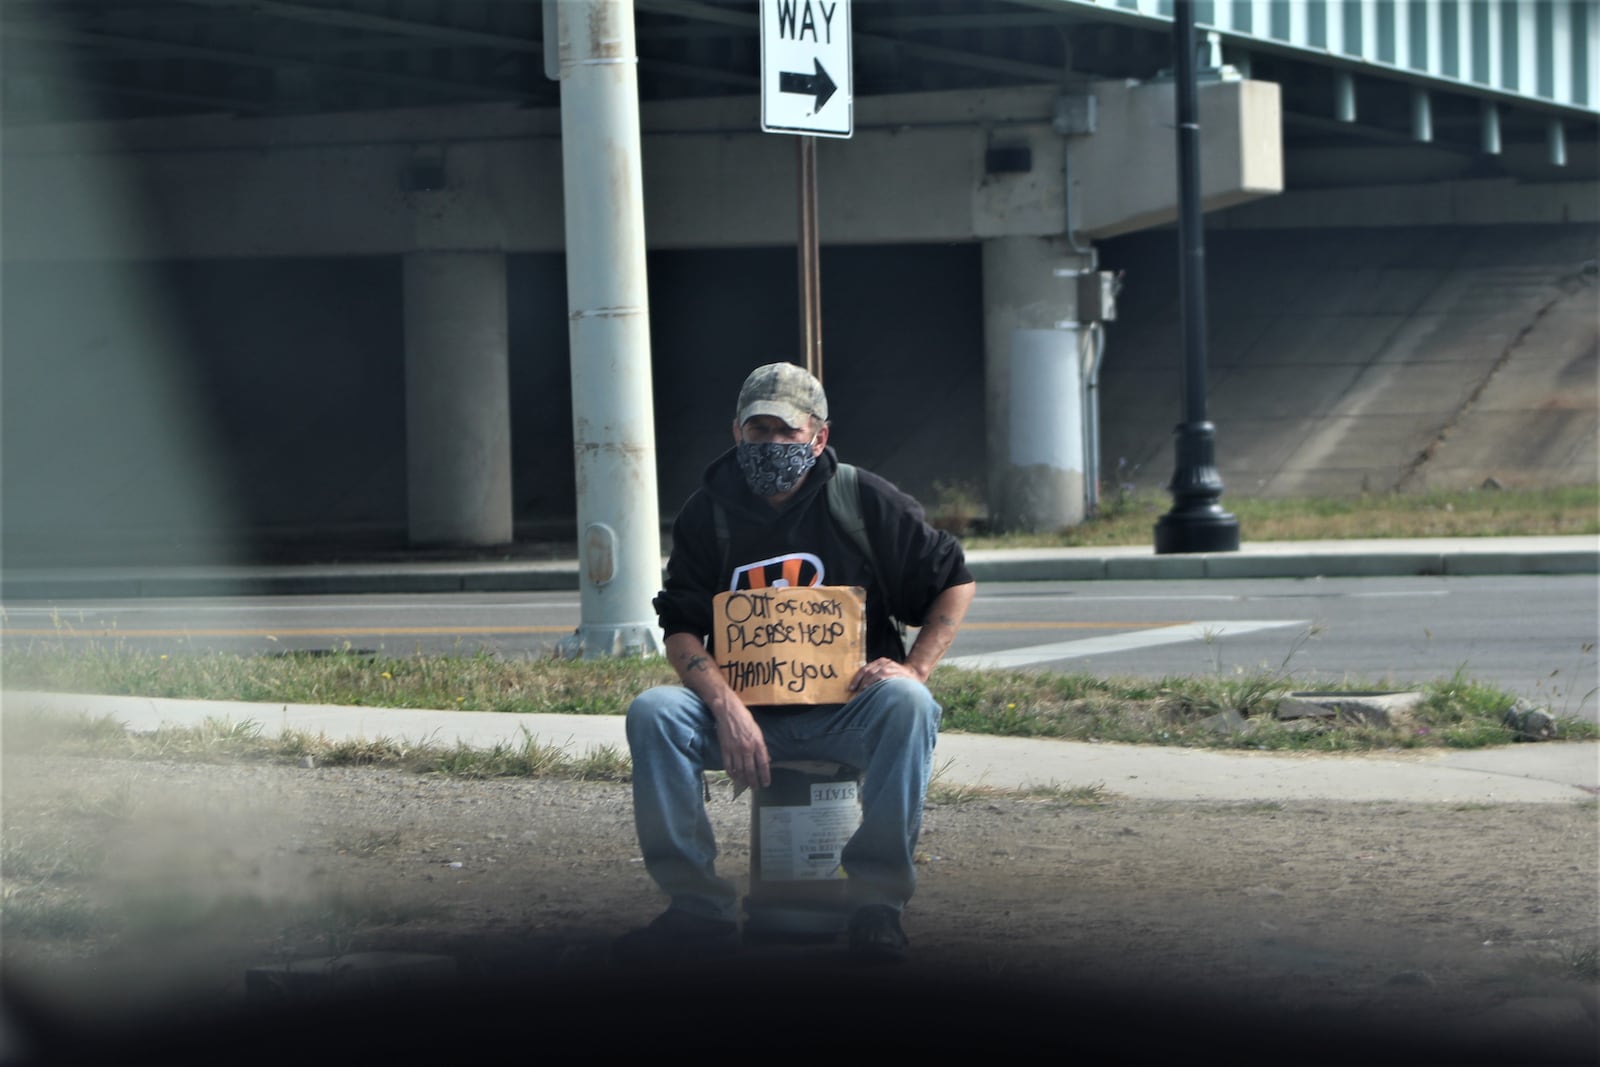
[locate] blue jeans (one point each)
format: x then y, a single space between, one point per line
887 732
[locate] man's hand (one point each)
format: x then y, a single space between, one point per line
933 640
744 750
882 668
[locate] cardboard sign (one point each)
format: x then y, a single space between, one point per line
789 644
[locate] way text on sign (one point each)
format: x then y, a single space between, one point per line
798 20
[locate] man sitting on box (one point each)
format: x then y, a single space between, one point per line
763 518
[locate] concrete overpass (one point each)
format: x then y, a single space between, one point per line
218 218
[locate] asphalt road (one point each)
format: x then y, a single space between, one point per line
1533 635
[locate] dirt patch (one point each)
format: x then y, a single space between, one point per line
135 889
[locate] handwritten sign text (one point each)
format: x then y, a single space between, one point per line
791 645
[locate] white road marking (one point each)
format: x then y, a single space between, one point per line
1098 646
1399 593
1078 598
245 608
1074 598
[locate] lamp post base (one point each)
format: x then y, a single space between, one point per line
1201 530
1196 522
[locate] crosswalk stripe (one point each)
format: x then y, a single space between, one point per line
1098 646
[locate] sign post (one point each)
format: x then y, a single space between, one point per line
806 90
810 267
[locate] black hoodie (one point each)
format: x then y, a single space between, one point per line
919 561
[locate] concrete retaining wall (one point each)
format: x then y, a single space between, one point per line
1353 360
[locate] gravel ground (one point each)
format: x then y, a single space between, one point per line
1117 925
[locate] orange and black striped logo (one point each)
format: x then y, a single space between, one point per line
795 569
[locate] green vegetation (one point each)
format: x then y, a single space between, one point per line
1126 518
1194 712
477 682
1219 711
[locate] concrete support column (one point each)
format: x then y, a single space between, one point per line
1033 387
458 413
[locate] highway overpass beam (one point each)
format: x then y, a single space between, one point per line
1123 173
1556 142
1421 115
458 413
1344 96
1489 114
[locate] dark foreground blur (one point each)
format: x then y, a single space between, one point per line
743 1008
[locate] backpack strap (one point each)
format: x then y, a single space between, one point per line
844 504
719 519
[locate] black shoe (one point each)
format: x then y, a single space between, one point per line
875 934
677 935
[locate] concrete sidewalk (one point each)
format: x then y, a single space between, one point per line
1549 772
1260 559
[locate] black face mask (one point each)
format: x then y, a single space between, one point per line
774 467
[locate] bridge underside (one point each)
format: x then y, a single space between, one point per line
1406 314
68 60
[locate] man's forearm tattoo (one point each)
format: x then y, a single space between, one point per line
697 663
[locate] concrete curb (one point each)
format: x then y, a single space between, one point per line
1457 557
1307 565
332 580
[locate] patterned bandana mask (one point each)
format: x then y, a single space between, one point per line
773 467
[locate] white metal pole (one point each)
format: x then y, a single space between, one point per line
619 531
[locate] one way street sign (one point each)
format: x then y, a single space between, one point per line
805 67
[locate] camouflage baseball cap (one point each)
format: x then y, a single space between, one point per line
784 390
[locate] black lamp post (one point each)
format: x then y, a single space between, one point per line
1196 522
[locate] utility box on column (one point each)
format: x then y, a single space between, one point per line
1044 489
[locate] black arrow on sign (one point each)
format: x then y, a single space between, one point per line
818 84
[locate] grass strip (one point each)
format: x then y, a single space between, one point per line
1194 711
1126 517
476 682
